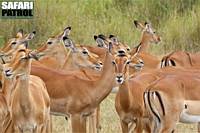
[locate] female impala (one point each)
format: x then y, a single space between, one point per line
103 41
181 59
29 101
148 36
21 41
60 53
76 96
129 102
172 99
53 52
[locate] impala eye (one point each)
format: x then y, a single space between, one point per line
13 43
49 43
113 62
128 62
85 52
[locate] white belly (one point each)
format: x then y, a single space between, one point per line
190 113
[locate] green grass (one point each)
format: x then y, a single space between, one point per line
177 21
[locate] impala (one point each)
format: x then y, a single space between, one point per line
4 113
103 42
61 53
129 102
76 96
53 52
9 49
139 53
29 101
148 36
172 99
181 59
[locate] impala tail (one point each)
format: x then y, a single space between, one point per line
167 61
154 105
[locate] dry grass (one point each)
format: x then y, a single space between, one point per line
110 121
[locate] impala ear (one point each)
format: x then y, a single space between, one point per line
66 31
114 39
19 33
69 44
1 67
146 23
2 58
33 55
30 36
103 37
110 47
100 40
95 37
138 25
148 27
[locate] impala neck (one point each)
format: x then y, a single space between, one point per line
69 63
60 53
22 87
124 95
144 44
104 85
7 88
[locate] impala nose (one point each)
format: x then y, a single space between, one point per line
121 52
119 79
8 73
99 66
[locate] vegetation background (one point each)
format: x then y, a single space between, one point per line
177 21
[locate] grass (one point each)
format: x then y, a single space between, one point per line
175 20
110 122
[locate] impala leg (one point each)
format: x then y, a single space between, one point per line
78 123
131 127
68 119
92 123
8 126
49 126
199 127
147 125
124 127
98 125
139 126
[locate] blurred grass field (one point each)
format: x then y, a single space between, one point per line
110 122
177 21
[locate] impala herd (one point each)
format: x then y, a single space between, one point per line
71 80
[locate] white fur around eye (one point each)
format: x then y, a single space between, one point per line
128 62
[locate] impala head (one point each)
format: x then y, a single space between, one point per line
20 65
136 63
54 42
118 47
82 57
85 58
121 64
20 40
148 33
